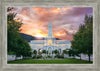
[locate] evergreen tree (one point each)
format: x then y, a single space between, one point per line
16 44
83 39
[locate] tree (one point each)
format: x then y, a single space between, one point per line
56 51
16 43
77 43
35 52
13 29
44 51
88 36
72 52
82 42
64 52
25 49
9 9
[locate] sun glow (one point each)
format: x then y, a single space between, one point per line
40 34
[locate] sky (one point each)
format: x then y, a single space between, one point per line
65 20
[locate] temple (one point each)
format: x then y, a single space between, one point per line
49 43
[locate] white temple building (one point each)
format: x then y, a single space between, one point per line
49 43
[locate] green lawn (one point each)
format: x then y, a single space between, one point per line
59 61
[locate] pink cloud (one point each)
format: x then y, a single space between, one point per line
62 18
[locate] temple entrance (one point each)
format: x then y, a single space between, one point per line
39 51
60 51
49 51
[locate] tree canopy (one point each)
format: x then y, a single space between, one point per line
83 39
16 44
43 51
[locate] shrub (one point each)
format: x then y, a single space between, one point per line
49 56
39 56
34 57
59 56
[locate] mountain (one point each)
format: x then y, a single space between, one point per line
58 39
27 37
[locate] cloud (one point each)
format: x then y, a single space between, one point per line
65 19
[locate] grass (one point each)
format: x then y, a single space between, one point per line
59 61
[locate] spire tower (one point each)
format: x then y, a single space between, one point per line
50 34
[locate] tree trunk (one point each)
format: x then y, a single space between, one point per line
16 58
89 57
80 57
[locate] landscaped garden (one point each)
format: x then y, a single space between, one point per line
54 61
19 48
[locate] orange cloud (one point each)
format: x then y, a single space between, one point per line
36 20
40 33
56 10
67 8
40 10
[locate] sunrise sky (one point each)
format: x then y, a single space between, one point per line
65 20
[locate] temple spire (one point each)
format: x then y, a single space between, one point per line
50 34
